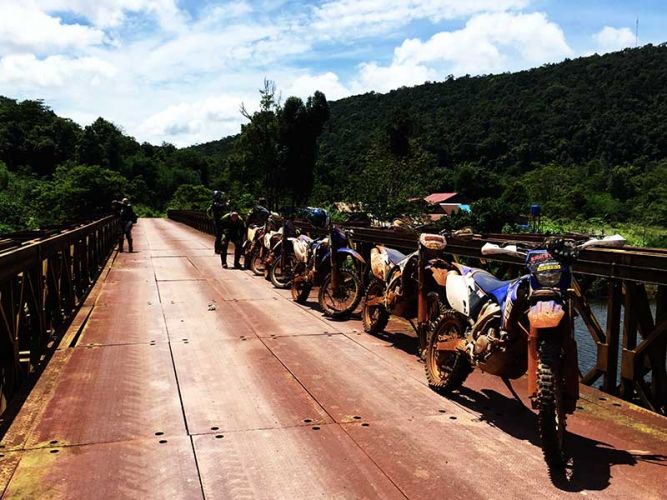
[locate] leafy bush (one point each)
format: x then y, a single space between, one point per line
191 197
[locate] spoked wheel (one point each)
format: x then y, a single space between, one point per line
300 285
282 278
257 263
445 370
551 417
341 301
374 317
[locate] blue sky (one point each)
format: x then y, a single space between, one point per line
178 70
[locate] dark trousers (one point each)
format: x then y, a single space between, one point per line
125 233
217 228
238 250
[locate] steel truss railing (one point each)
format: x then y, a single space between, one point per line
44 277
633 332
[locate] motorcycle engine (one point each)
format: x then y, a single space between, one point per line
495 350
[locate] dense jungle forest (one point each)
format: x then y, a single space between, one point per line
586 139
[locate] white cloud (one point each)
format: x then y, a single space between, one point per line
23 26
53 71
109 13
488 43
197 121
181 79
355 18
611 39
304 86
384 78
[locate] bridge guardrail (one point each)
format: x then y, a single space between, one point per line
45 276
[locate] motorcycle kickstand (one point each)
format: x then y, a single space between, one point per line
508 384
420 341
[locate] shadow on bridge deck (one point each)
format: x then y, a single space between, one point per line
188 380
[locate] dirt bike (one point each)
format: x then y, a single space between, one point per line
508 328
261 249
281 260
254 235
332 265
410 287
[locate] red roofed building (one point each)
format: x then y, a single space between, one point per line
445 203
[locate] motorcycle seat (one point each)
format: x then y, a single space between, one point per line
488 282
394 256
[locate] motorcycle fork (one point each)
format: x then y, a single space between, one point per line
283 252
335 276
422 304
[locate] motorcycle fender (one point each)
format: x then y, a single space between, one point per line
379 263
353 253
545 314
301 251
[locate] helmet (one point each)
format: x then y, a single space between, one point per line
125 201
217 195
318 217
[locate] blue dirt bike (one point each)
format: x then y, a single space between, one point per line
334 266
510 328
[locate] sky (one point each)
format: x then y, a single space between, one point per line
177 71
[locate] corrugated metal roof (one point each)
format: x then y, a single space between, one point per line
434 198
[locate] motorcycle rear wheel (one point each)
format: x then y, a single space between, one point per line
328 298
282 278
375 317
551 418
445 370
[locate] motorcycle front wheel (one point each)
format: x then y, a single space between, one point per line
551 415
374 317
340 302
300 285
445 370
301 291
257 263
282 278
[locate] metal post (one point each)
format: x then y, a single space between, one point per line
613 333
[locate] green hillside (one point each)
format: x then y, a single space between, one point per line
586 138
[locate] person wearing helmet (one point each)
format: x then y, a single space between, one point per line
217 211
127 219
233 228
259 213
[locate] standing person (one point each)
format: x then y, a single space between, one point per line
115 209
127 219
234 229
216 211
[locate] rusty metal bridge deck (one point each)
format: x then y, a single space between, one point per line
186 381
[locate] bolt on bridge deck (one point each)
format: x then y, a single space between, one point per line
187 381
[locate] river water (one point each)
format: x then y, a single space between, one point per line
586 345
